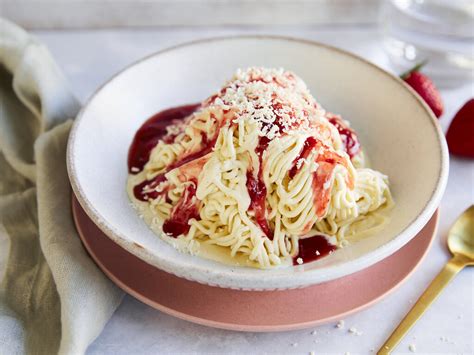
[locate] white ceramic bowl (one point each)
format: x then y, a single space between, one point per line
398 131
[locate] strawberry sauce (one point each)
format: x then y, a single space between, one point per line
185 209
258 191
313 248
348 136
146 138
327 161
309 144
326 164
152 131
150 192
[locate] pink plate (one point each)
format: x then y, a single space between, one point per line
256 311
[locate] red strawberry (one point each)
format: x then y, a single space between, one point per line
460 134
425 88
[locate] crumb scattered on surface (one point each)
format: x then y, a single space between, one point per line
412 348
353 330
294 345
347 353
447 340
340 324
299 261
314 332
312 353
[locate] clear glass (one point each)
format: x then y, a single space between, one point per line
439 31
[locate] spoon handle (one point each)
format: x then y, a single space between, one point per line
431 293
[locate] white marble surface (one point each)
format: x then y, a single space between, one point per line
66 14
88 58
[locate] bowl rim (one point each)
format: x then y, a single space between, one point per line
226 278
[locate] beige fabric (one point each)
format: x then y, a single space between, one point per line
52 297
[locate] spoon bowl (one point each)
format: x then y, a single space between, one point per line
461 245
461 235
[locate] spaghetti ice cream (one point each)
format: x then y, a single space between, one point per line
257 174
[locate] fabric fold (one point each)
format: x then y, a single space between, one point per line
53 298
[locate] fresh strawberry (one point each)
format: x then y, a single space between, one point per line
460 134
425 88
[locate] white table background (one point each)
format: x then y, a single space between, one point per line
88 58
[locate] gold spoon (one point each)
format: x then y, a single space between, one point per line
461 245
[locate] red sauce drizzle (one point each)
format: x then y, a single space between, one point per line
151 185
141 195
144 142
326 164
258 191
152 131
309 144
308 247
146 138
185 209
348 136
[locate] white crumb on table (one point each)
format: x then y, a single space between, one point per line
353 330
314 332
294 345
299 261
340 324
447 340
312 353
412 348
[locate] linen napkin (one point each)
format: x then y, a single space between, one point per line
53 299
